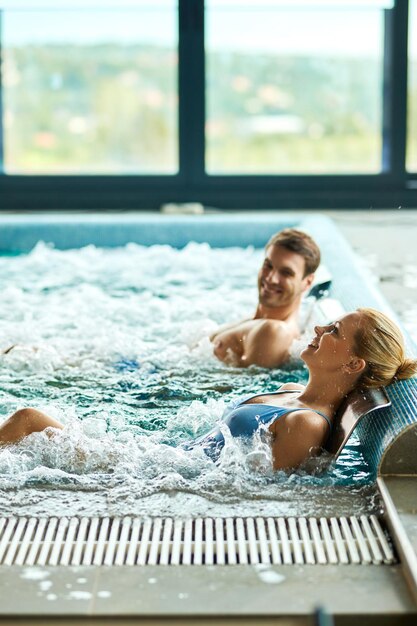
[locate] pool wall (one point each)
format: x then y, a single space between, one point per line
386 435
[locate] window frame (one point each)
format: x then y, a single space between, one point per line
391 188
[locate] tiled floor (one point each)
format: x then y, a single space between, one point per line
387 242
215 591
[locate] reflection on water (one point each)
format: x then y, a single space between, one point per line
114 344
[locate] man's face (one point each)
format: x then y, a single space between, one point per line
281 278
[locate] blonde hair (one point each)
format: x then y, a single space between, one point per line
380 343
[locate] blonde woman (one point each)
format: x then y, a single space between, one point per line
361 349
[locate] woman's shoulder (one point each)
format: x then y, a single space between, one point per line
291 387
306 424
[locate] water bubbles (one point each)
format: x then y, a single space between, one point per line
34 573
44 585
259 460
51 596
80 595
268 575
114 344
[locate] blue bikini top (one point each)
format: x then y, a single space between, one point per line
244 420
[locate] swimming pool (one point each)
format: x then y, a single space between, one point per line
106 334
114 343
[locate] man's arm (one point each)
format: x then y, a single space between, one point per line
227 327
267 344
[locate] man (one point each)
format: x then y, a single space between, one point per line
291 258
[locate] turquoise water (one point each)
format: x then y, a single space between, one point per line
114 344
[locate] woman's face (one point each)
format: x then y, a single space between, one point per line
333 346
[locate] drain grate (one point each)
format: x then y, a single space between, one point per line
197 541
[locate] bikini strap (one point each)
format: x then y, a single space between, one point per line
290 410
239 401
269 393
323 415
314 410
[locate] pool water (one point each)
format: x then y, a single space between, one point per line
114 343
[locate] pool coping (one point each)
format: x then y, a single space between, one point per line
216 591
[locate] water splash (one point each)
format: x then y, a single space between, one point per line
114 343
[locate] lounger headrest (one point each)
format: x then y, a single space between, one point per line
357 404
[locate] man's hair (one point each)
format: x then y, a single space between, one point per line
301 243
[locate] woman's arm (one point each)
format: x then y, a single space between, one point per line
23 423
297 437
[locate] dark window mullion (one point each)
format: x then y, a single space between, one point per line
395 90
1 97
191 90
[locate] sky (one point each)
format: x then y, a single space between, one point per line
352 28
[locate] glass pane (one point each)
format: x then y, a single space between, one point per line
98 95
294 87
412 90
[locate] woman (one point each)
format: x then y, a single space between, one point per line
361 349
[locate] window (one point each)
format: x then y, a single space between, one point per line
412 89
294 87
130 104
97 96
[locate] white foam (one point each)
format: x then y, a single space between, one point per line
114 344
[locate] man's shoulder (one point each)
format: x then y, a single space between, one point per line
230 329
275 329
255 324
267 343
